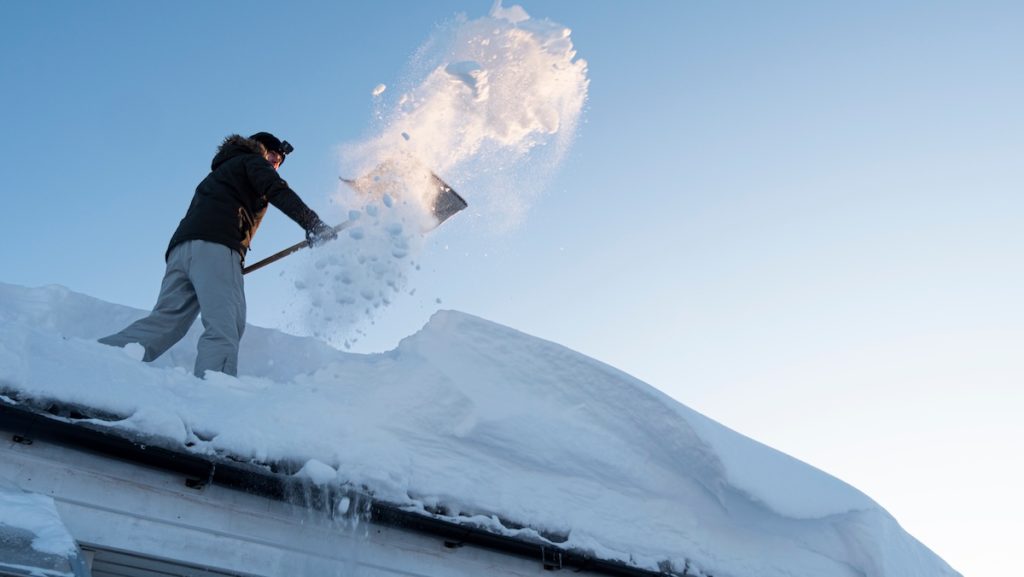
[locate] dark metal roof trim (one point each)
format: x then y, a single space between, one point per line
27 424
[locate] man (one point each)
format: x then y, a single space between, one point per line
206 252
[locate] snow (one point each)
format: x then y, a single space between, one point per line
501 85
37 515
33 538
484 423
514 14
491 105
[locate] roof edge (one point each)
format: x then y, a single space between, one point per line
27 423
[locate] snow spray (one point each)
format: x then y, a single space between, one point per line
491 105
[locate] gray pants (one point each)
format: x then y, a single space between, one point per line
201 276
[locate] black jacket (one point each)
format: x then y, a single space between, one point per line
230 202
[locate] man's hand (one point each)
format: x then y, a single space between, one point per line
320 233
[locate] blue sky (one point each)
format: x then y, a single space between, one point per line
800 218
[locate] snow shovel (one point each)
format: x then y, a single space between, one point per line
446 203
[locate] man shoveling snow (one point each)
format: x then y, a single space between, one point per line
206 254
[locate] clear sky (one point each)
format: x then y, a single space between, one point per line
800 218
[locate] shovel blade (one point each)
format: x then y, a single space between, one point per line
393 177
447 202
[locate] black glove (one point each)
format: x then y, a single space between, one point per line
320 233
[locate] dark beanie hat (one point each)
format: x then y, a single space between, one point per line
271 142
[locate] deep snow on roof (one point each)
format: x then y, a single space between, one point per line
482 421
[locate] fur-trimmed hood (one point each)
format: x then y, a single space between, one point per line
235 145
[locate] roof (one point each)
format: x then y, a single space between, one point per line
75 427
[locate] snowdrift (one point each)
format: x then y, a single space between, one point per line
481 423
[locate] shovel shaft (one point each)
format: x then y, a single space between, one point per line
293 248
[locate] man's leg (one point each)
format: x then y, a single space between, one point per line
216 274
175 310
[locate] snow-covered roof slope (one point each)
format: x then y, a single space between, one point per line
487 424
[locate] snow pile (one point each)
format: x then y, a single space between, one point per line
483 423
492 107
33 538
37 515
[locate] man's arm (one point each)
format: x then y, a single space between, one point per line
268 182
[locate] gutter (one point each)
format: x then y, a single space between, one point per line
28 424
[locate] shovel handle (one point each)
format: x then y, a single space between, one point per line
293 248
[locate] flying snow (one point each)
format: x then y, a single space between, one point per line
491 106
